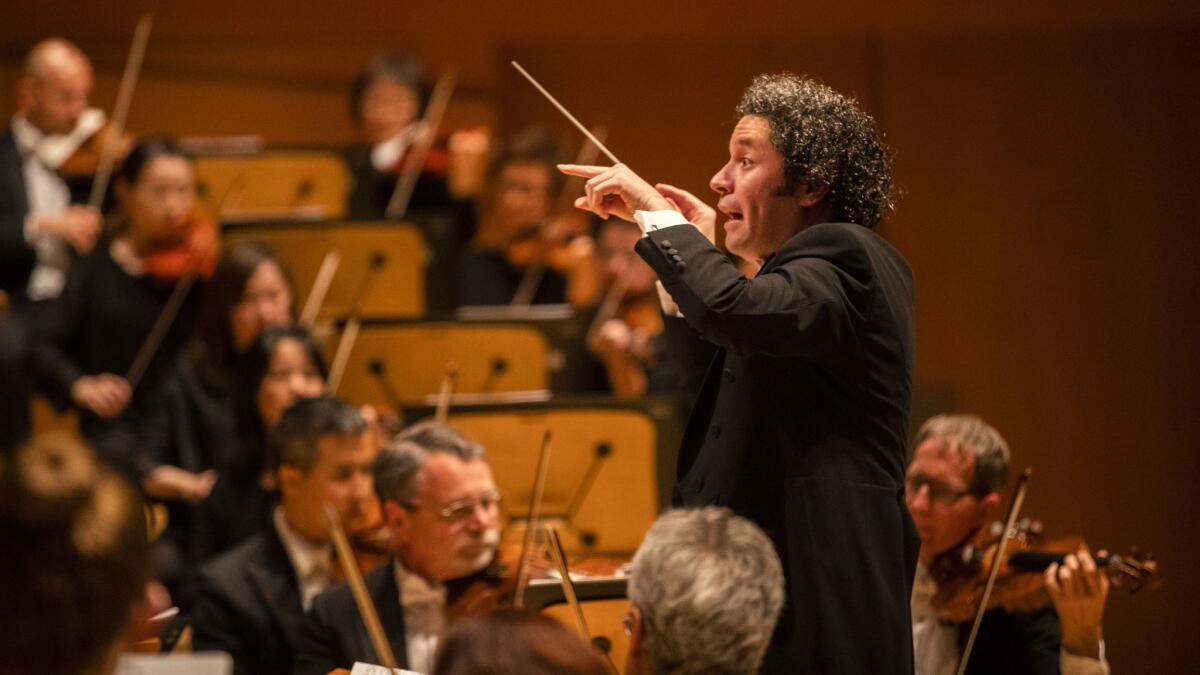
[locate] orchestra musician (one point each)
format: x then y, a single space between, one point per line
510 642
442 509
519 229
43 226
958 467
705 591
252 599
115 295
800 425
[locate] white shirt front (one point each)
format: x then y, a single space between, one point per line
935 643
47 196
312 563
424 606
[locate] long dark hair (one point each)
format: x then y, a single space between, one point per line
134 165
213 350
253 367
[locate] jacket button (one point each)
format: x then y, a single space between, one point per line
665 243
673 251
676 257
680 265
729 375
716 432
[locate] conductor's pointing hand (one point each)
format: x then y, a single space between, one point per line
615 191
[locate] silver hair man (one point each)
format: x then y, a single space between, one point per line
706 590
399 464
974 436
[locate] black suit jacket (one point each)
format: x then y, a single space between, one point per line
801 426
1008 644
248 604
334 634
17 257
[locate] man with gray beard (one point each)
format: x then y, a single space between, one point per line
442 511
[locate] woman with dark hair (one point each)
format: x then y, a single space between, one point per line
192 442
93 334
515 643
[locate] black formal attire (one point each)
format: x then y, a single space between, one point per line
800 426
486 277
1027 643
17 256
195 428
249 606
334 634
98 325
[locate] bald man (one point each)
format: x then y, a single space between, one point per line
41 229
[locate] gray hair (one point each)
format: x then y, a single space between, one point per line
709 585
977 437
825 139
294 437
398 465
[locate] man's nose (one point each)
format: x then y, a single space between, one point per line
919 500
720 182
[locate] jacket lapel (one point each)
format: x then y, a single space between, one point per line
381 586
273 576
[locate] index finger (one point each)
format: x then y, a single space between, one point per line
582 170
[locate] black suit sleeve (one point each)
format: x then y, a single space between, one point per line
60 333
797 308
17 257
217 626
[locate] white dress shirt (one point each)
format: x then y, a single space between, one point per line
424 617
312 563
935 644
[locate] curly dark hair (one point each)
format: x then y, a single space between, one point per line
825 138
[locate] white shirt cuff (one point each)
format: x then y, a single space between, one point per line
654 220
1071 664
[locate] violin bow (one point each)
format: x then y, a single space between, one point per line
439 100
166 317
1009 522
362 599
532 278
108 151
535 505
445 393
349 336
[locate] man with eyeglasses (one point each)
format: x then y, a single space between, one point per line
442 509
251 600
952 489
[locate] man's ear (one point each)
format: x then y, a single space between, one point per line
811 193
637 642
289 479
989 506
398 519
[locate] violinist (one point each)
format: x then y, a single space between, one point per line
252 598
957 470
442 508
191 440
97 328
42 225
626 331
519 230
386 102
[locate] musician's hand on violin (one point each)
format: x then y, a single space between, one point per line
468 161
703 216
105 394
1079 590
174 483
615 191
79 226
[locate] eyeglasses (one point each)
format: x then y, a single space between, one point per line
462 509
939 492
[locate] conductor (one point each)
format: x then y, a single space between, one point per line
800 424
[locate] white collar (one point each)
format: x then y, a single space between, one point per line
54 149
308 559
416 589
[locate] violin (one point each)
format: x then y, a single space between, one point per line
85 161
961 574
370 541
196 253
